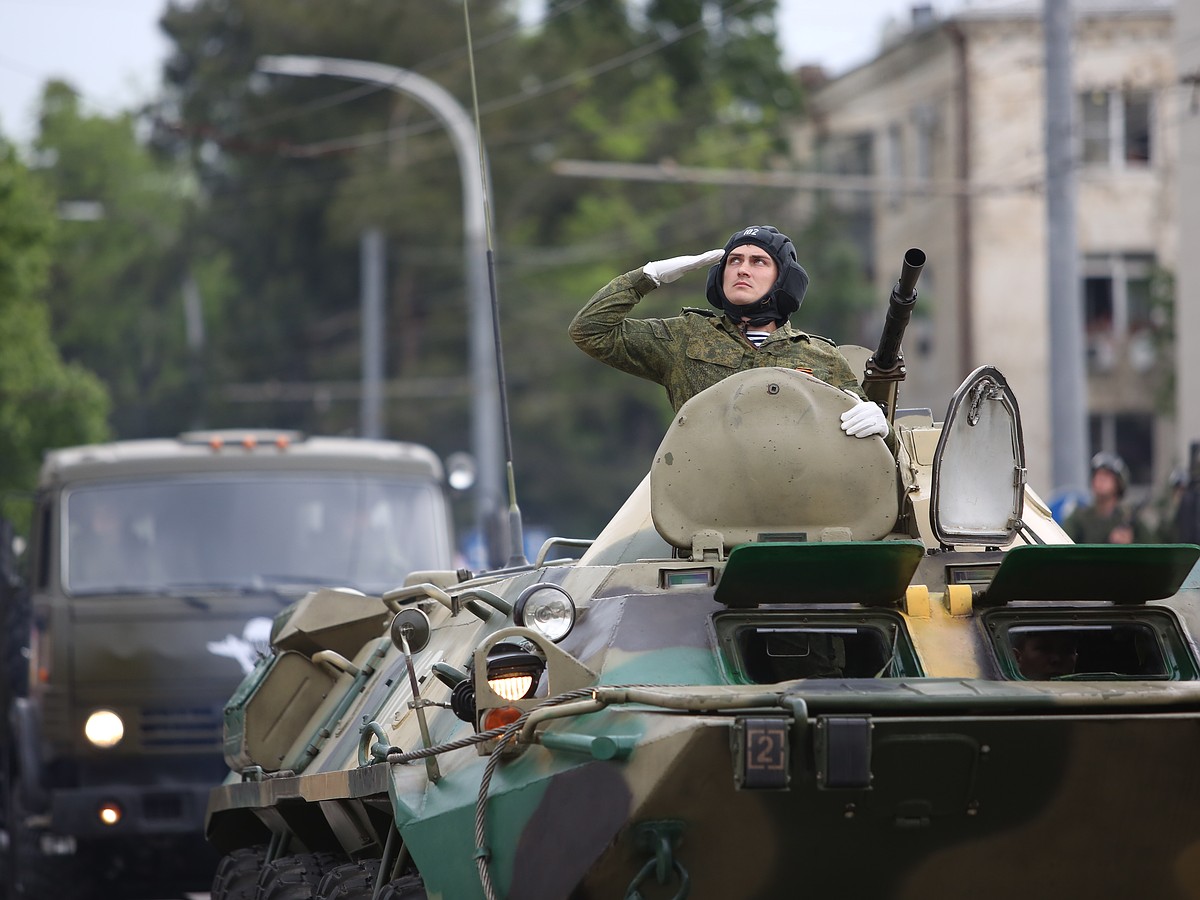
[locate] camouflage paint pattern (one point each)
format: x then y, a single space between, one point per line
944 775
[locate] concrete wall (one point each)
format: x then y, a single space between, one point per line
1187 285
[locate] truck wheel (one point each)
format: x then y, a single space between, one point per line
236 877
295 877
351 881
33 874
410 887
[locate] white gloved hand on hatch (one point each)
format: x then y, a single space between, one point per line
864 419
664 271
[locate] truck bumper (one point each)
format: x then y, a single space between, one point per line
157 810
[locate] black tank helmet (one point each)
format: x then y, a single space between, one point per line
785 296
1114 464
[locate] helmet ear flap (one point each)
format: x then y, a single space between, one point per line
712 289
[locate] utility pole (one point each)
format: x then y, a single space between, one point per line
373 326
486 442
1068 378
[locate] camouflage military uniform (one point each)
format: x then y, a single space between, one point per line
1086 526
693 351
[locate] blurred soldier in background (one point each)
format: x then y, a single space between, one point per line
1107 520
1166 507
1187 517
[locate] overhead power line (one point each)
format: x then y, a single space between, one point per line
328 391
802 181
338 145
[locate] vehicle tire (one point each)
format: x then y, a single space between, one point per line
295 877
409 887
350 881
33 875
237 874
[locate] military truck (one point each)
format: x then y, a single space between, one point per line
793 663
153 574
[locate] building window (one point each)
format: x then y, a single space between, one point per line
1116 309
894 164
852 154
925 119
1116 128
1130 435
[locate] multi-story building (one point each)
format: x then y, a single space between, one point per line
1187 295
946 127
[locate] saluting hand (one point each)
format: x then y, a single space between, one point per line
664 271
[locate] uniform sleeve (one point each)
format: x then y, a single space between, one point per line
602 329
842 376
1142 534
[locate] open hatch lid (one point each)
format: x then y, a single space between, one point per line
978 489
873 573
1116 573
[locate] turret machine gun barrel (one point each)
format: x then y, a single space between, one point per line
885 368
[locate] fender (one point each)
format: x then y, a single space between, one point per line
24 721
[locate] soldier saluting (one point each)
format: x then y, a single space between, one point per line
756 283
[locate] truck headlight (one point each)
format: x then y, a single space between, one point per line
104 728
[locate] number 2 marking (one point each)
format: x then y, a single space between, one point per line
766 749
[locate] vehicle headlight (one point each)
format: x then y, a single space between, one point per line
104 728
546 608
512 672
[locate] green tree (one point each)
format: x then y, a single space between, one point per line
119 270
294 169
44 402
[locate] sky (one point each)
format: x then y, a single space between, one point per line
112 50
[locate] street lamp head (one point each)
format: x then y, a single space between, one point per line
300 66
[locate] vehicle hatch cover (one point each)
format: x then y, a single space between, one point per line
979 466
873 573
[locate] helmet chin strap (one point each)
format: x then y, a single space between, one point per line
760 312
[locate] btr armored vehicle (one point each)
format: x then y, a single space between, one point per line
154 571
794 663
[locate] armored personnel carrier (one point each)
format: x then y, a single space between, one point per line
842 671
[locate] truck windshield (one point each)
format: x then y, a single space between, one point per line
252 532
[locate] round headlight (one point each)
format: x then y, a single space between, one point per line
546 608
104 728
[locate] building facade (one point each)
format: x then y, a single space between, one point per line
946 129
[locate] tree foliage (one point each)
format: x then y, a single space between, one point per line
290 172
44 402
119 272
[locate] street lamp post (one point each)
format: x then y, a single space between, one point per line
485 417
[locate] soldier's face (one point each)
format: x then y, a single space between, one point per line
1045 656
1105 484
749 273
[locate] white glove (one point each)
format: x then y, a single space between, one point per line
864 419
664 271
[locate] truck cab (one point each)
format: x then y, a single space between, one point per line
155 571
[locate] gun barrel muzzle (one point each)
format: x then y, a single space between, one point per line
900 306
910 271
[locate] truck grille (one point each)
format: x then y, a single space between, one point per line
181 728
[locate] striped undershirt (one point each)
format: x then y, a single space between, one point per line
756 337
